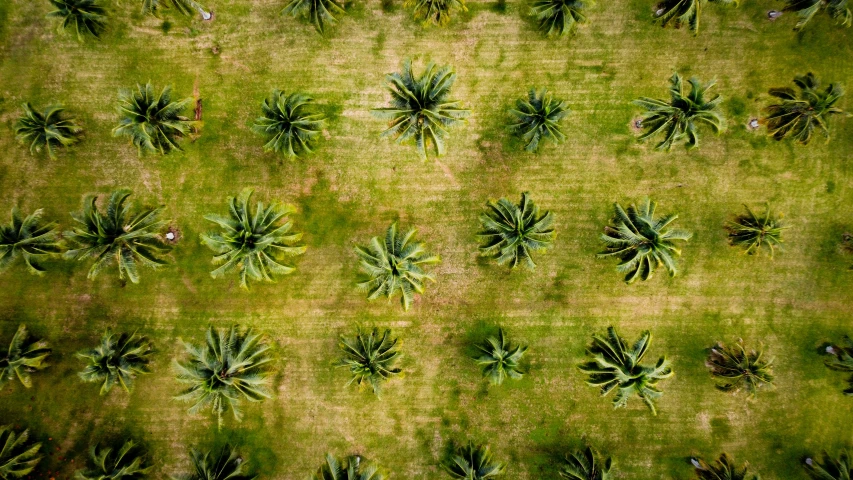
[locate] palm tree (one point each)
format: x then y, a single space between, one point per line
680 12
25 355
735 367
116 237
126 463
116 361
86 17
254 243
421 110
499 359
538 118
29 237
49 130
512 233
642 242
806 9
231 367
754 232
473 462
613 365
348 468
395 266
289 128
435 12
370 358
154 123
842 360
722 469
558 18
321 13
226 464
831 468
797 116
586 464
184 7
18 457
680 117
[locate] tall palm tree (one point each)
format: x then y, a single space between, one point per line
799 115
29 237
586 464
842 360
722 469
253 243
537 118
184 7
681 12
558 18
50 129
126 463
227 464
116 237
641 241
679 118
18 457
512 233
499 359
152 122
287 124
233 365
25 355
370 358
806 10
86 17
614 365
117 360
321 13
421 110
435 12
348 468
754 232
395 266
735 368
473 462
830 468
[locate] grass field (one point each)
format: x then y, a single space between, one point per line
357 183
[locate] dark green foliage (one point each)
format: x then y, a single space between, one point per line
473 462
349 468
613 365
735 368
842 360
754 232
226 464
641 242
537 118
435 12
586 464
49 130
116 237
126 463
681 12
85 17
117 360
184 7
830 468
287 124
421 111
499 359
321 13
680 117
798 116
25 355
253 243
558 18
722 469
806 10
152 122
29 237
512 233
18 457
370 358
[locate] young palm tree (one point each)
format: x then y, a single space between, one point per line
642 242
127 463
116 361
586 464
735 367
25 355
49 130
29 237
370 358
613 365
421 110
184 7
680 117
152 122
499 359
253 243
321 13
18 457
798 116
681 12
722 469
512 233
537 118
558 18
288 126
806 10
232 366
118 238
348 468
395 266
226 464
842 360
830 468
473 462
435 12
754 232
86 17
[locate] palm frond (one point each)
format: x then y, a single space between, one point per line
473 462
370 358
586 464
499 359
24 356
18 456
537 117
512 233
117 360
153 122
722 469
754 232
735 367
48 130
288 125
798 116
84 17
30 238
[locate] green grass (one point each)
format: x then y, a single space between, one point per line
356 184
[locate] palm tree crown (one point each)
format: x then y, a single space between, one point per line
680 117
253 243
842 360
29 237
18 457
586 464
184 7
321 13
806 10
512 233
349 468
499 359
754 232
226 464
830 468
49 130
421 110
86 17
798 116
126 463
154 123
289 127
116 237
680 12
370 358
117 360
722 469
473 462
642 242
558 18
25 355
613 365
435 12
735 367
537 118
394 266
